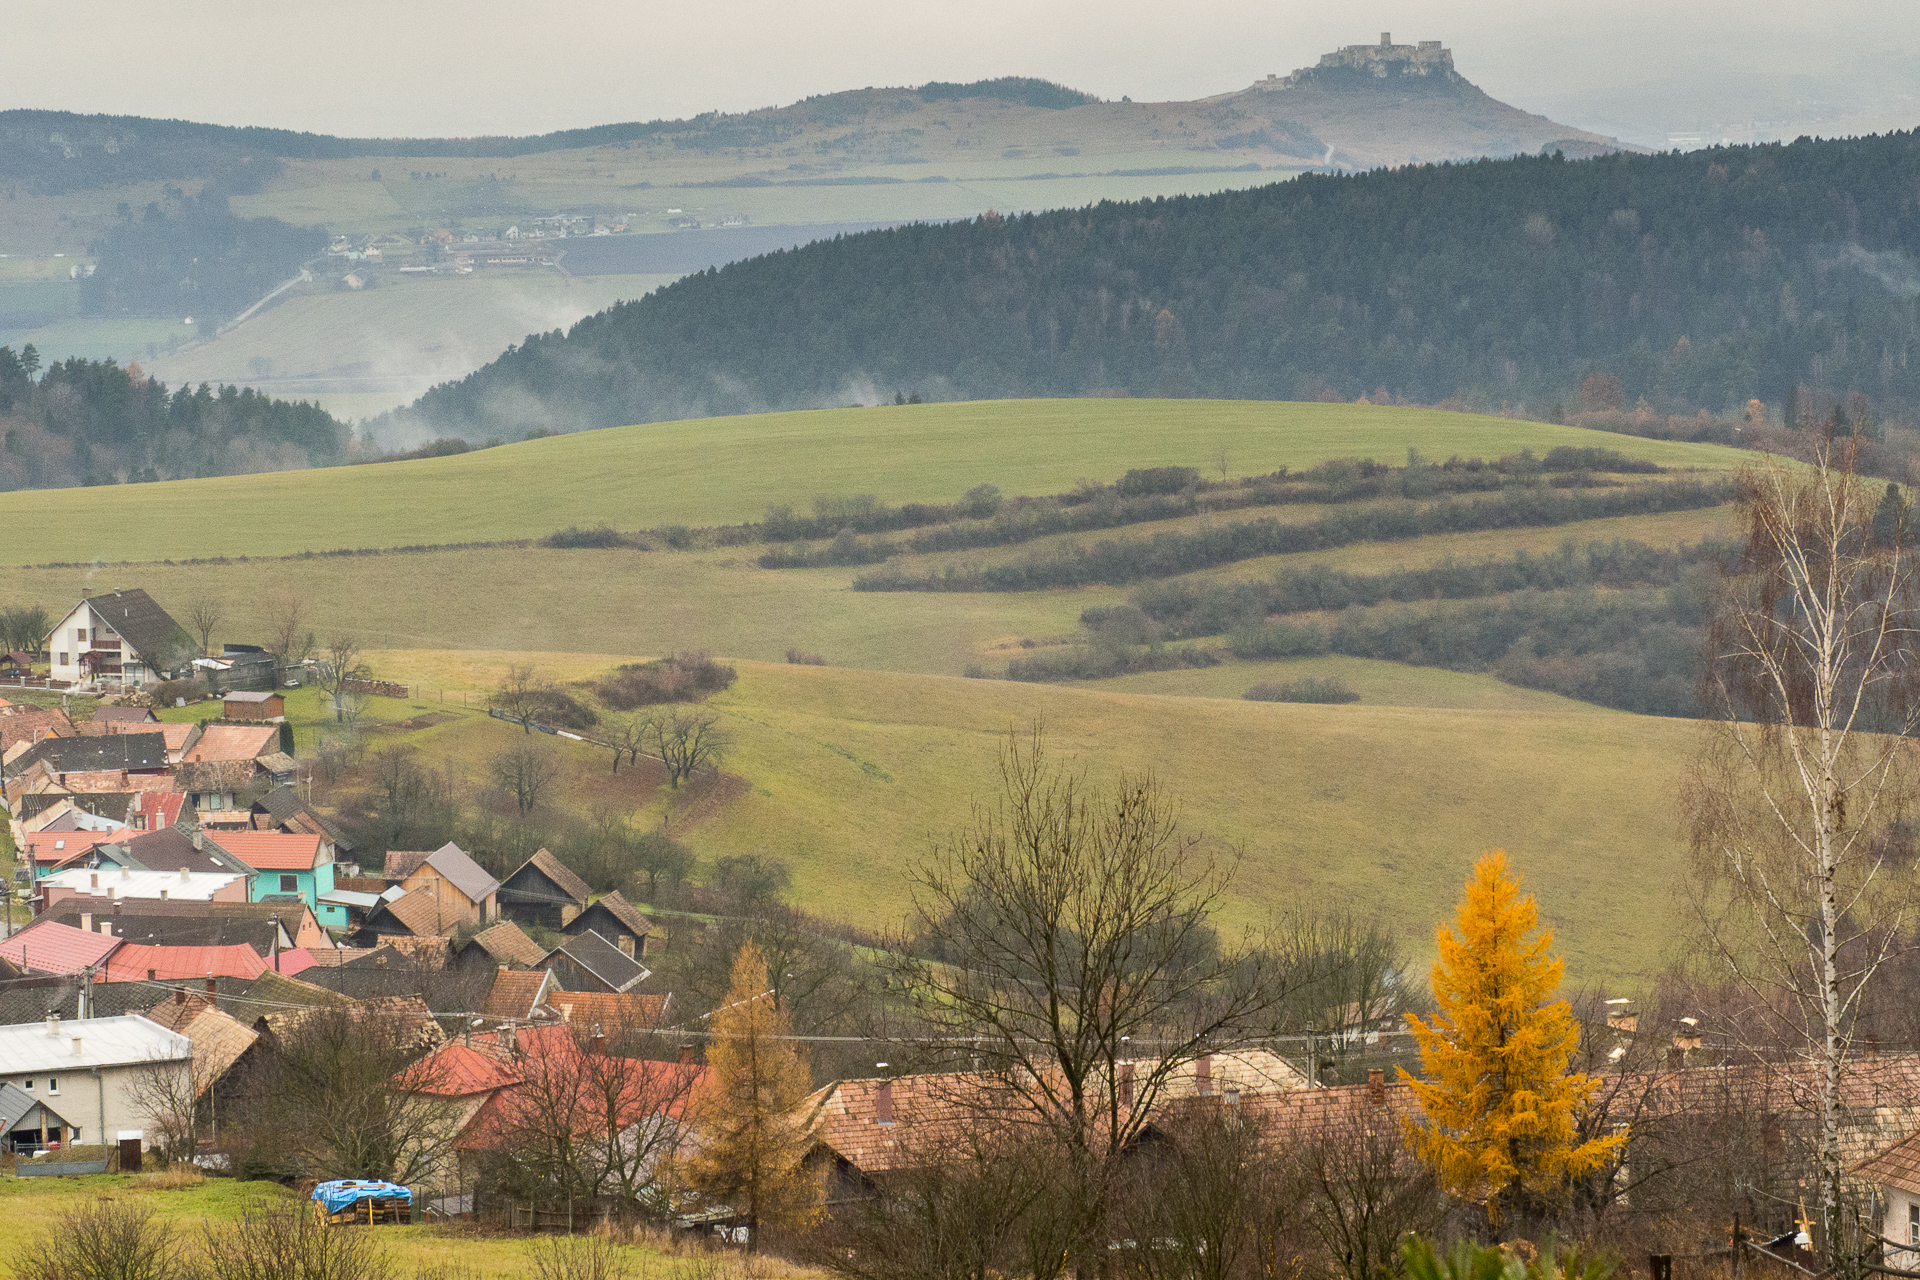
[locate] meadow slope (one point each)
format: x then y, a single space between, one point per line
852 775
725 470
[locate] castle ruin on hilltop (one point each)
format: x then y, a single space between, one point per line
1381 61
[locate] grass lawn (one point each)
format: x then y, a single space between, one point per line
851 775
730 469
29 1206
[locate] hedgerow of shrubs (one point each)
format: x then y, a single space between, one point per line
1168 553
684 677
1307 689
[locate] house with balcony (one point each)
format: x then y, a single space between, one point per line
121 638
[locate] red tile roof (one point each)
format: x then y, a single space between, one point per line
515 992
234 742
271 850
457 1071
57 848
49 947
135 962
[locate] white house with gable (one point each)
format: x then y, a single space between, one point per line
117 638
94 1073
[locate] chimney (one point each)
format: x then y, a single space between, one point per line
1386 39
76 1046
126 872
883 1102
1376 1086
379 962
53 1025
86 593
180 995
686 1055
199 839
86 919
152 974
185 875
213 987
597 1045
163 895
1203 1074
1126 1085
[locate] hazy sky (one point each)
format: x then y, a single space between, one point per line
431 67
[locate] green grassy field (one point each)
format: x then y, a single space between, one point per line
730 469
30 1206
850 775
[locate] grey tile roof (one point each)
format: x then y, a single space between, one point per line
139 620
603 960
95 754
462 872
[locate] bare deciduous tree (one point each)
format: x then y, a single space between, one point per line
598 1115
520 692
687 742
204 615
288 636
1792 797
341 663
626 734
524 773
171 1093
1065 931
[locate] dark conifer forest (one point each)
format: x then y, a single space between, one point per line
1695 281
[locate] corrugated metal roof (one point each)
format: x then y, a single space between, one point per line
135 961
93 1042
49 947
199 886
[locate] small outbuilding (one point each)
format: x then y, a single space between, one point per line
243 705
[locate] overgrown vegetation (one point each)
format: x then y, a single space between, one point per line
683 677
1308 689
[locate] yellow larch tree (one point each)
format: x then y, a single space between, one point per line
748 1141
1501 1104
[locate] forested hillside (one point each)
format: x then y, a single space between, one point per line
1695 281
193 257
93 422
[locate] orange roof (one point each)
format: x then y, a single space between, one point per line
515 992
57 848
456 1071
628 1011
135 962
233 742
271 850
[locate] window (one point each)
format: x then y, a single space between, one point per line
63 661
53 1084
1913 1216
79 635
289 884
28 1084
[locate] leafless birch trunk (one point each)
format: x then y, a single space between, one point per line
1810 764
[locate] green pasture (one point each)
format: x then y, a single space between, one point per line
724 470
35 1205
851 775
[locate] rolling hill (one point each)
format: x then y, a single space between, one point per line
730 470
849 770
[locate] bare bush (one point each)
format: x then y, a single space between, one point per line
588 1257
289 1244
684 677
104 1240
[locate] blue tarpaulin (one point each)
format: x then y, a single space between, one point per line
339 1194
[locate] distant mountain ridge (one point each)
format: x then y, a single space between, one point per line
57 151
1361 106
